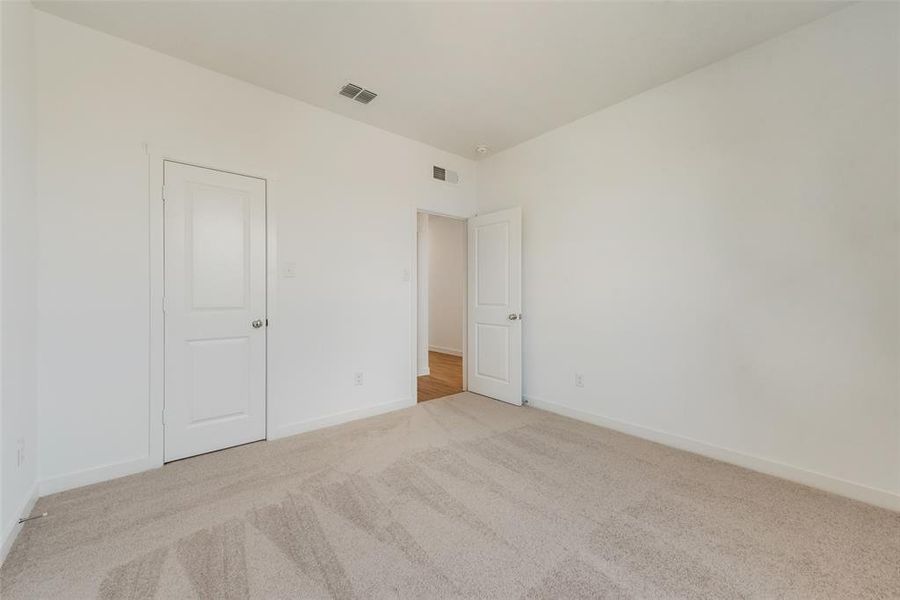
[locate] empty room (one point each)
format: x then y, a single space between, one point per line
470 300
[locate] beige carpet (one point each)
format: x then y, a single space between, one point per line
461 497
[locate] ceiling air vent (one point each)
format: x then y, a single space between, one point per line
442 174
356 92
350 90
365 96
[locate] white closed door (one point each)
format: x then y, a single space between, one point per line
494 355
215 310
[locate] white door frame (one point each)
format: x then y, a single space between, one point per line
156 241
414 298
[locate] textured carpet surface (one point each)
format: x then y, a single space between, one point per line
461 497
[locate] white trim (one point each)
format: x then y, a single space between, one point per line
425 372
341 417
271 296
835 485
442 350
414 310
11 530
156 245
465 305
96 475
131 467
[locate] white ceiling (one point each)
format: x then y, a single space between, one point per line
453 75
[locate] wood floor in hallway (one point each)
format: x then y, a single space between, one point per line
445 377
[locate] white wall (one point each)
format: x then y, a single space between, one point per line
344 197
446 284
719 257
18 408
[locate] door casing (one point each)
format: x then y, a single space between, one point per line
156 244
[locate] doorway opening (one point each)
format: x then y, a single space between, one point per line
441 298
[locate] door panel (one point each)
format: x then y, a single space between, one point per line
494 366
492 248
215 288
218 227
492 342
220 386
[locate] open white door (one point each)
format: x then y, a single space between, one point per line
495 305
215 310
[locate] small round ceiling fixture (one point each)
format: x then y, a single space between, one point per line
481 149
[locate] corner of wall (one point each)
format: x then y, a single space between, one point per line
12 528
18 278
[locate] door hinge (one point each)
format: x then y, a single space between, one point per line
164 417
163 193
165 304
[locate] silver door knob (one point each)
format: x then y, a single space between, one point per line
514 316
257 324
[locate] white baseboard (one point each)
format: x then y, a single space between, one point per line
341 417
114 471
442 350
11 530
841 487
96 475
424 372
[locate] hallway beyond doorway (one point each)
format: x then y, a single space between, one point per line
445 377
